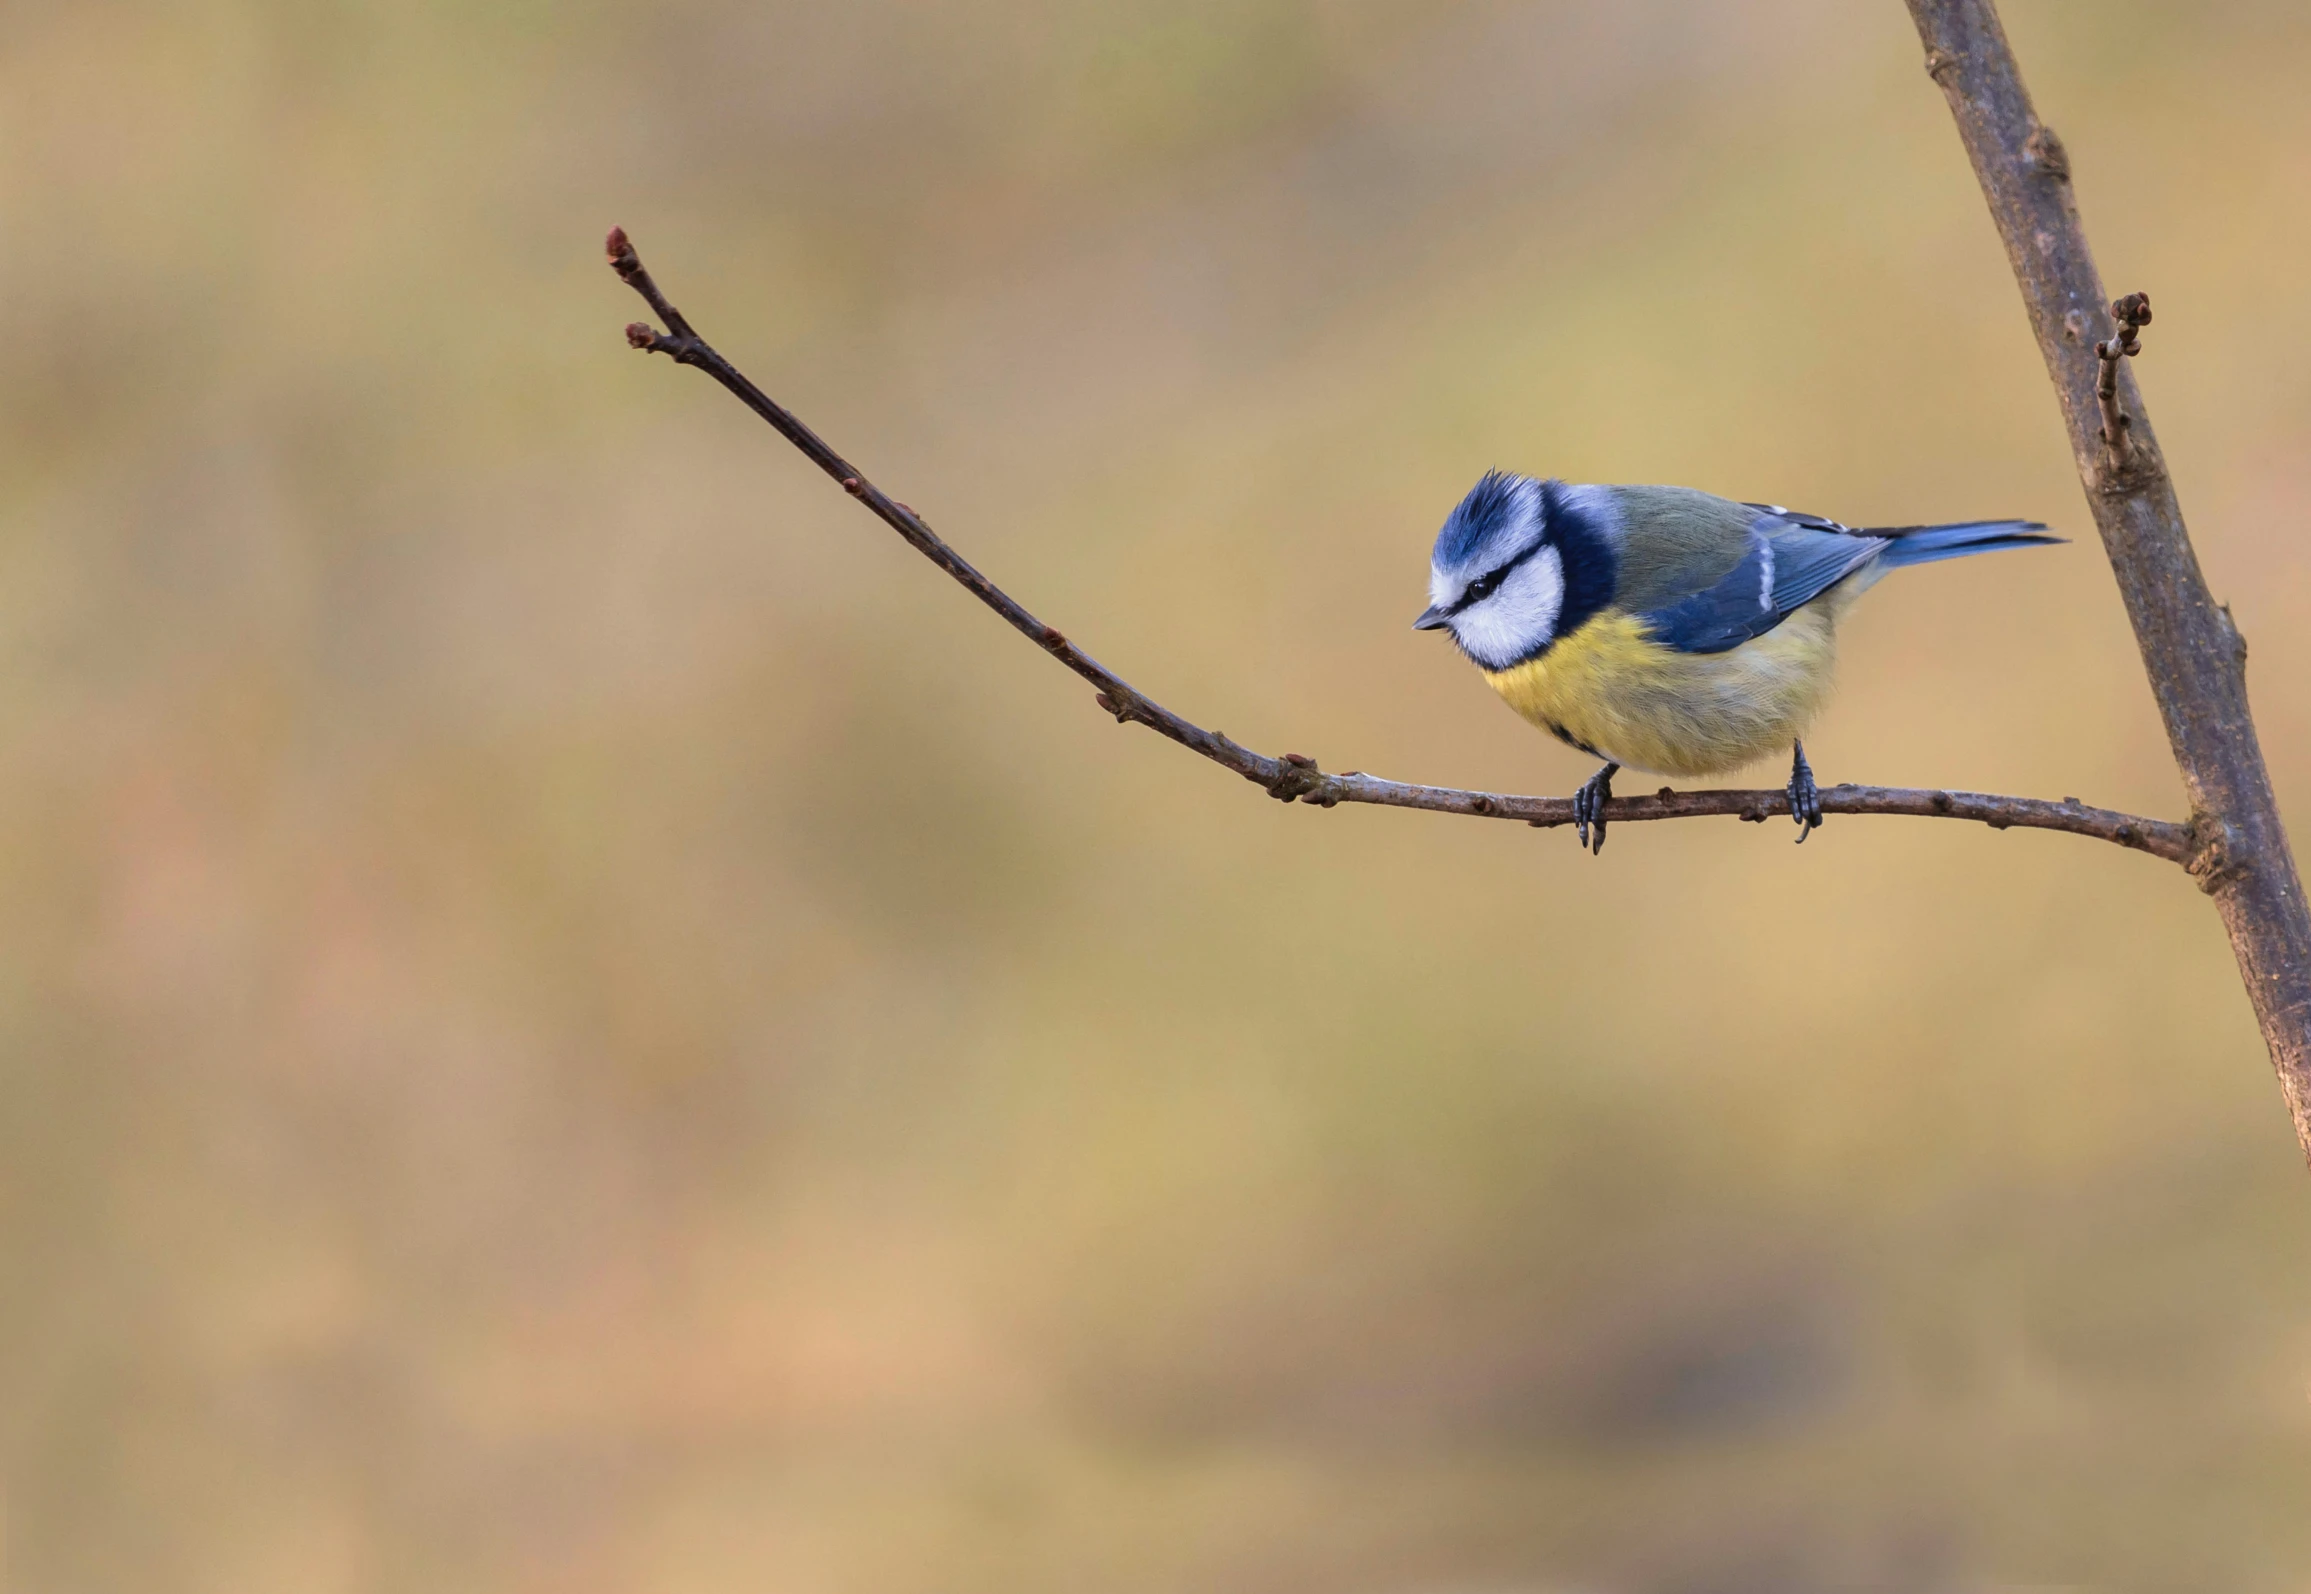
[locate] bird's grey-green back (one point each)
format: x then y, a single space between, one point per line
1692 541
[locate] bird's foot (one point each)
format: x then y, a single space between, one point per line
1805 798
1589 808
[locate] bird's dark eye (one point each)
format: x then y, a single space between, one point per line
1484 587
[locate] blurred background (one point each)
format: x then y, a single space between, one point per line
574 1017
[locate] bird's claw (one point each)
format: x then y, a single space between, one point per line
1589 809
1805 798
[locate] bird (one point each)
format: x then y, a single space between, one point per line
1664 628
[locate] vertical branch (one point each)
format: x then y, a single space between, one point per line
2193 654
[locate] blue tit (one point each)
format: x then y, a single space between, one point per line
1662 628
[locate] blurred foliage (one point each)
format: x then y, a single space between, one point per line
576 1019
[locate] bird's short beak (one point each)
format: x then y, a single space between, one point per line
1431 619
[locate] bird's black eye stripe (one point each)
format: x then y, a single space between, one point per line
1483 587
1487 584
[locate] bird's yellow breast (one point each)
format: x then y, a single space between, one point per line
1610 688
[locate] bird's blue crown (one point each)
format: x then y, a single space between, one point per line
1500 512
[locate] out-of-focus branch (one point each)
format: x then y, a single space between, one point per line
2193 654
1294 777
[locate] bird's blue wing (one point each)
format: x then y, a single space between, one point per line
1811 554
1791 560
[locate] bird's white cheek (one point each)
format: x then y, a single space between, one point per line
1518 620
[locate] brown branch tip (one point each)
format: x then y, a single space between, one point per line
1295 777
2131 314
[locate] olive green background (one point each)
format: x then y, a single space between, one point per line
574 1017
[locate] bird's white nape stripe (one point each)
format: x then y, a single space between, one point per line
1520 618
1530 509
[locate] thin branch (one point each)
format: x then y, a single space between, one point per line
2131 314
2194 657
1294 777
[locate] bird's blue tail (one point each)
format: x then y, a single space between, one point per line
1922 545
